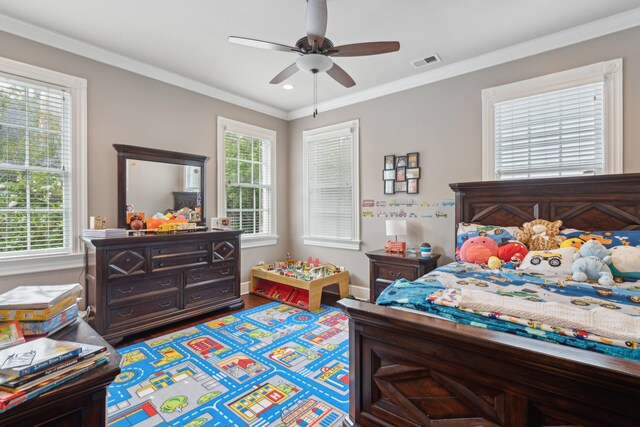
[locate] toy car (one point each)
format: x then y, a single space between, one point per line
399 247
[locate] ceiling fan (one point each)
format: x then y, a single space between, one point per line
316 50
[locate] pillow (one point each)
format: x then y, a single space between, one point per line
554 261
625 262
608 238
497 233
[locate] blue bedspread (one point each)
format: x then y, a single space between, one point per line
416 295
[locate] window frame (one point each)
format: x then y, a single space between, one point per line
224 125
353 126
607 72
77 87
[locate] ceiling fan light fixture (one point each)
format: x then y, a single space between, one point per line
314 63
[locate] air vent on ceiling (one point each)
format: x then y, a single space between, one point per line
431 59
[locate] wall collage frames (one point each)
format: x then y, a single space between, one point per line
401 173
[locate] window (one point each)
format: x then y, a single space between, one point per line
568 123
42 168
246 176
331 189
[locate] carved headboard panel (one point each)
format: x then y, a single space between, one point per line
602 202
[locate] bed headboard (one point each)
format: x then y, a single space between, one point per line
601 202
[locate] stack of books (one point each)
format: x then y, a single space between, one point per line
32 368
105 233
40 310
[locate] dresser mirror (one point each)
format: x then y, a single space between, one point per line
152 181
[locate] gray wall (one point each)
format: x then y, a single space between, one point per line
126 108
442 121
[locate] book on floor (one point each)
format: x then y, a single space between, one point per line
88 351
33 356
11 334
11 399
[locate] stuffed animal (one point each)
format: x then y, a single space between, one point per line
494 262
590 263
625 261
478 250
541 235
512 250
573 242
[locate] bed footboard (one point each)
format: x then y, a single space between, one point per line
410 370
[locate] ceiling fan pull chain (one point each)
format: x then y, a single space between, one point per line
315 95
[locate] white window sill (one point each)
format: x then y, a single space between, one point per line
36 264
249 241
353 245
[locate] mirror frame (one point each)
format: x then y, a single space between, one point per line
131 152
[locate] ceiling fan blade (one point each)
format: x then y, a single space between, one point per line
285 74
341 76
316 22
364 49
260 44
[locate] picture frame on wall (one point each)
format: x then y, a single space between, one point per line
389 187
401 161
412 186
401 174
389 175
413 160
400 187
390 162
412 173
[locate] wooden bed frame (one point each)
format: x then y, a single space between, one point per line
411 370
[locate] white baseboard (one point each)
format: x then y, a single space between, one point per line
360 292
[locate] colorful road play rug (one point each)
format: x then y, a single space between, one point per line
271 366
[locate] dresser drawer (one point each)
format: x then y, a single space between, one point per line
209 294
218 271
126 262
131 288
160 264
395 272
183 249
149 307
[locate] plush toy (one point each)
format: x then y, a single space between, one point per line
574 242
477 250
541 235
625 262
494 262
590 263
512 250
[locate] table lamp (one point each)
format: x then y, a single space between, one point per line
395 228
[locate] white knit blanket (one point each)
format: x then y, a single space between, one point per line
600 321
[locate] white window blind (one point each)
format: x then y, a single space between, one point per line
191 178
248 183
556 133
35 168
331 181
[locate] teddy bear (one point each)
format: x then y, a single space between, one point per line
478 250
540 235
591 263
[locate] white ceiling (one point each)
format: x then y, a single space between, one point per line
188 38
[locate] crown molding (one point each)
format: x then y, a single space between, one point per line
591 30
51 38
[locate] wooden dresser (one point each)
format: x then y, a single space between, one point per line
385 268
139 283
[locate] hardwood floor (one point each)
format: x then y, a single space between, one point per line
329 296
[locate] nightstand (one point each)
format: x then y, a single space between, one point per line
385 268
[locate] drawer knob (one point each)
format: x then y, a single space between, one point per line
200 247
129 313
197 276
161 251
128 291
196 297
200 259
225 272
393 274
164 305
127 259
161 264
225 291
167 283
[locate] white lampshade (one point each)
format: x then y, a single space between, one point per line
396 227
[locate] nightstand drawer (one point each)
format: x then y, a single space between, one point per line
395 272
